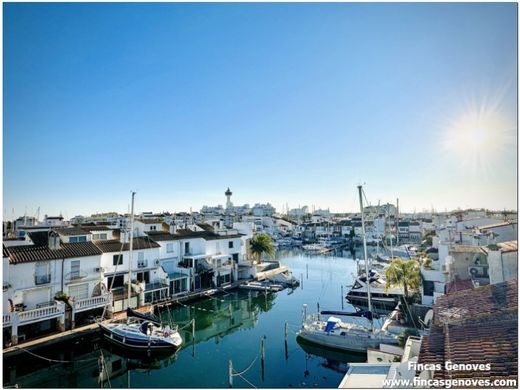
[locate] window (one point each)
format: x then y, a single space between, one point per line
99 236
74 269
428 288
169 247
118 260
140 276
78 239
230 244
140 256
118 281
79 292
235 257
186 247
42 274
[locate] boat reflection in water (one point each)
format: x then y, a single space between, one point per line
333 359
93 361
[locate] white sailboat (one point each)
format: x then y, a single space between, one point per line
337 334
139 331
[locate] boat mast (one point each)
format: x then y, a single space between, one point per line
130 253
360 189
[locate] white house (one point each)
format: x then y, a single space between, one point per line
35 273
149 280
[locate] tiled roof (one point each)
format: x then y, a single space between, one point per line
186 233
95 228
477 326
160 236
72 231
149 221
458 285
504 247
39 238
5 252
465 249
115 245
31 253
206 227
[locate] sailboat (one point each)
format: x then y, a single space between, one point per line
334 333
139 331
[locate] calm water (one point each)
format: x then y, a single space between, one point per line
220 337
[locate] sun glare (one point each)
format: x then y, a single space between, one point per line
478 136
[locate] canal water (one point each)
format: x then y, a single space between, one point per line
228 327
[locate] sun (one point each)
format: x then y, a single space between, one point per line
477 137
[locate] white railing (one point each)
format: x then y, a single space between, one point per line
92 302
42 313
6 320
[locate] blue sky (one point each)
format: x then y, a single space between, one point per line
286 103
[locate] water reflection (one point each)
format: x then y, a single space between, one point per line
332 355
227 327
93 361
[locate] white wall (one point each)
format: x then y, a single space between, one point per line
88 273
502 266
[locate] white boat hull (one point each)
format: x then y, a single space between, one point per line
355 342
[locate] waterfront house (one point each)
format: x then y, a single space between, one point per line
149 282
46 265
170 247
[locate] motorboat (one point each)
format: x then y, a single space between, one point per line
358 294
141 331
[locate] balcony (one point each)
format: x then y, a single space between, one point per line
42 279
142 264
35 315
92 302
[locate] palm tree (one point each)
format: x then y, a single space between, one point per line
405 273
260 244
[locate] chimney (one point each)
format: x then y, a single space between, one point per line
54 241
173 228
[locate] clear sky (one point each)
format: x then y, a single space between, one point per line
284 103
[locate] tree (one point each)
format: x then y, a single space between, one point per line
405 273
260 244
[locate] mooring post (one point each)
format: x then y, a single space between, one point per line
307 268
285 343
230 373
341 297
193 329
263 357
318 306
301 278
230 310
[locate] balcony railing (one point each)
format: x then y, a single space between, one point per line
93 302
40 314
142 264
6 319
42 279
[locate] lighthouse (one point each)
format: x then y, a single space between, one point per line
228 194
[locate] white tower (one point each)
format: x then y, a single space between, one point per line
228 194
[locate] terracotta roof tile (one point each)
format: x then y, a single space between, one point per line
477 326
